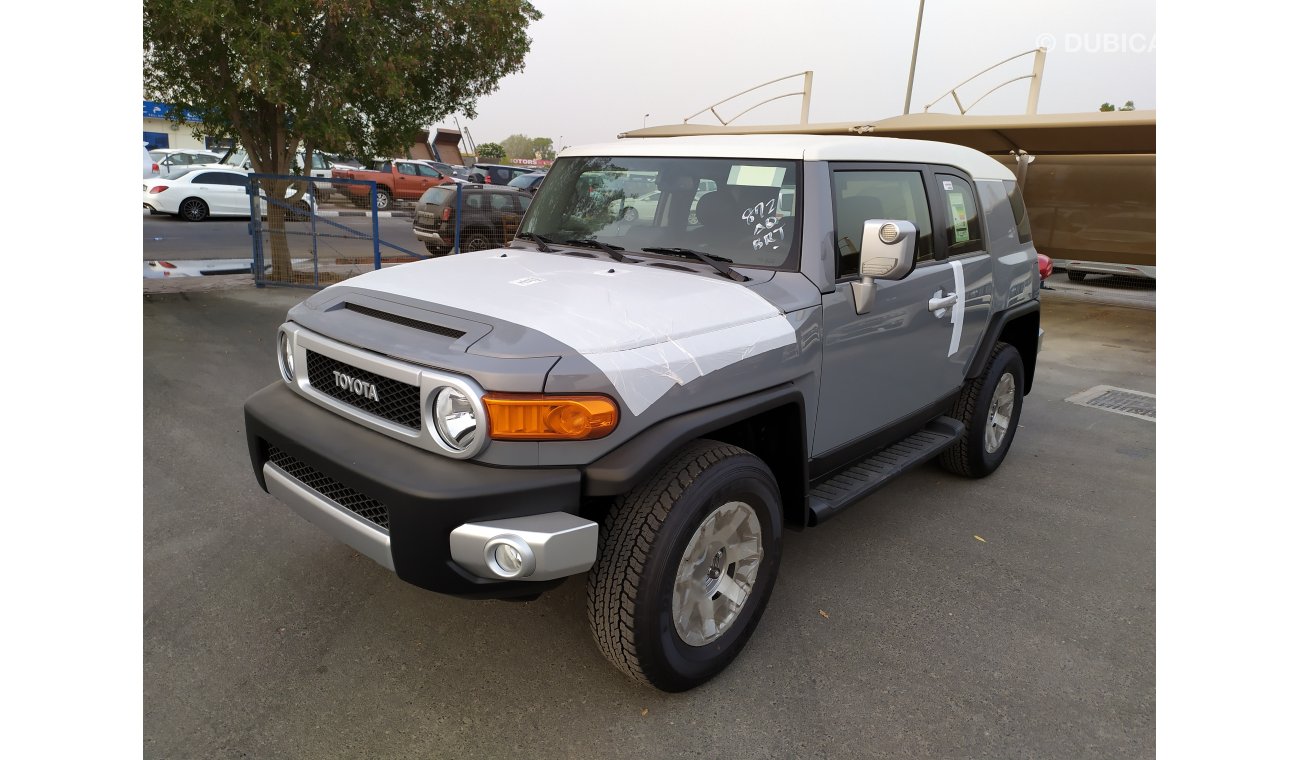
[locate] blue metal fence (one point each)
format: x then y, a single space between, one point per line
298 225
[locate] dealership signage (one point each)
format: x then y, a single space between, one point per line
154 110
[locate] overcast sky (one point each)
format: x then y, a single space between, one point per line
596 67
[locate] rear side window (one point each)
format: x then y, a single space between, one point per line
960 214
438 196
406 169
472 200
863 195
1018 210
501 202
210 178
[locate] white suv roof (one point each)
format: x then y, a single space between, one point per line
806 147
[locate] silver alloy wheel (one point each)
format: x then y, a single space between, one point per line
1000 409
381 200
717 573
192 209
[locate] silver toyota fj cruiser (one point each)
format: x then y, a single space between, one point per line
652 402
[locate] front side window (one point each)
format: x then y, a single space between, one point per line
864 195
427 171
406 169
961 214
726 207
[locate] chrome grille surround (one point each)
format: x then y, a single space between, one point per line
428 381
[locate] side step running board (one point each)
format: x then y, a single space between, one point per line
853 483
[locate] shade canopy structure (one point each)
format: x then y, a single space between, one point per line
1052 134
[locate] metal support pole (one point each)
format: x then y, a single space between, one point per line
807 97
455 248
916 44
1023 160
1035 84
311 214
374 219
255 229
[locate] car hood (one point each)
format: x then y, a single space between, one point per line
634 322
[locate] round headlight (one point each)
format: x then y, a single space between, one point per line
286 357
454 417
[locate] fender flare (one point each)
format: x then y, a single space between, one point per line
621 469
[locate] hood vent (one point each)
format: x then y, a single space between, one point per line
448 332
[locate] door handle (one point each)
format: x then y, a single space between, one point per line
943 303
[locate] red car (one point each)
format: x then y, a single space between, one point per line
1044 268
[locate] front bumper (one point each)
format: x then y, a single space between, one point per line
425 498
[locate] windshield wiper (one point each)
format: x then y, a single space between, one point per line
612 250
717 262
541 241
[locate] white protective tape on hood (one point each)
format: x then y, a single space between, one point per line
647 329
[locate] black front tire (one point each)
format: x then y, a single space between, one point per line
630 589
193 210
436 250
970 456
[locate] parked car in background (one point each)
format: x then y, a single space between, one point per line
178 158
322 165
451 170
491 216
394 180
497 174
528 182
453 173
196 193
630 209
151 168
1044 268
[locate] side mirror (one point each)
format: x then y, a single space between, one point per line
888 253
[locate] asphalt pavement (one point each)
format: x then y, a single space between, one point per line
1009 617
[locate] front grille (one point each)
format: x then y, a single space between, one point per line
395 319
350 499
396 401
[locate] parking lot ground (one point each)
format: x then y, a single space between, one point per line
893 632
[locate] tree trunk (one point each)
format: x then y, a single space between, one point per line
281 255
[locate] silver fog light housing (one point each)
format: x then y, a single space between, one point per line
509 557
455 418
286 357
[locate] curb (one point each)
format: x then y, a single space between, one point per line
380 214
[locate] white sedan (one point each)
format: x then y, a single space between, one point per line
194 194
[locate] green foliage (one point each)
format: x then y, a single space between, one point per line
523 146
516 146
359 77
1128 106
543 145
491 152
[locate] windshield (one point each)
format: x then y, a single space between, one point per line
730 208
237 158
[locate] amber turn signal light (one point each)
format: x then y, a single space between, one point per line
542 417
